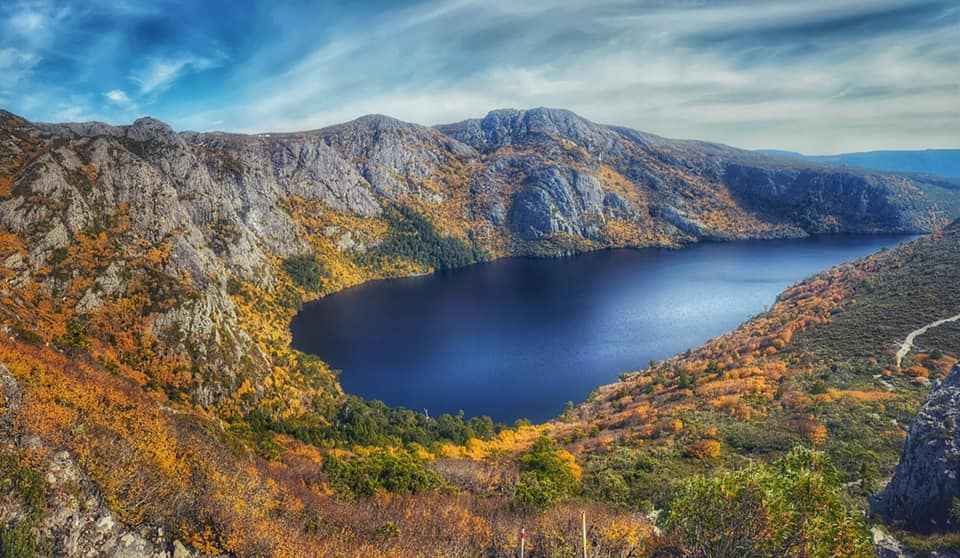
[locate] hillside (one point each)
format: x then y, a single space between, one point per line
148 278
818 368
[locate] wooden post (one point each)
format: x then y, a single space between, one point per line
523 539
583 530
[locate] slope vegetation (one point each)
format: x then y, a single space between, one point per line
148 278
818 369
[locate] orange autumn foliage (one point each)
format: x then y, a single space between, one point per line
704 450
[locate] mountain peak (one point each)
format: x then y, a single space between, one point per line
538 116
150 123
149 128
373 123
377 119
10 119
508 126
537 112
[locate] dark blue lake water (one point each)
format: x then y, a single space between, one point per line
521 337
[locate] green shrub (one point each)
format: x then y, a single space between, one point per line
76 335
27 484
926 546
545 478
627 478
305 271
791 508
18 541
759 438
388 529
57 256
819 388
402 472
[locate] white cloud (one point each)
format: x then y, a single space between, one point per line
15 63
119 97
818 76
161 73
28 21
651 71
34 21
77 113
15 67
26 29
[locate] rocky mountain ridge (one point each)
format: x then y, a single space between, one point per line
922 494
229 207
148 277
541 181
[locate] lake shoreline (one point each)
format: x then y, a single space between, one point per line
442 344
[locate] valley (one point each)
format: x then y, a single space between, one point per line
518 338
149 277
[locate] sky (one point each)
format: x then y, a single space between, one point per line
815 76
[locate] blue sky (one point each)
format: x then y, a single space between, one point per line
817 76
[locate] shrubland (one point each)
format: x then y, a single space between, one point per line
154 349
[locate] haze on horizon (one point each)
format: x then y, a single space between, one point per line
819 76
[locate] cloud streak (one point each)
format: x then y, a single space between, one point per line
160 73
813 76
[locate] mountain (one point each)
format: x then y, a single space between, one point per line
224 206
943 162
151 398
208 218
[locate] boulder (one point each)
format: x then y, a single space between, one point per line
927 480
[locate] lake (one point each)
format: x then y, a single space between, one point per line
521 337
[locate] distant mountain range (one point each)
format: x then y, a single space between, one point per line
945 162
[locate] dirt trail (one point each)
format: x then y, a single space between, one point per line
908 342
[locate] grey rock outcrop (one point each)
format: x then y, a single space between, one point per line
75 521
558 200
927 480
885 545
807 196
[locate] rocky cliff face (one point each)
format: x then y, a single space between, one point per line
686 185
227 207
922 492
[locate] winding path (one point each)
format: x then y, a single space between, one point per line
908 342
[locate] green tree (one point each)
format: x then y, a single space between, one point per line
412 237
305 271
483 427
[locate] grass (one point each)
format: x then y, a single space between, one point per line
916 287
